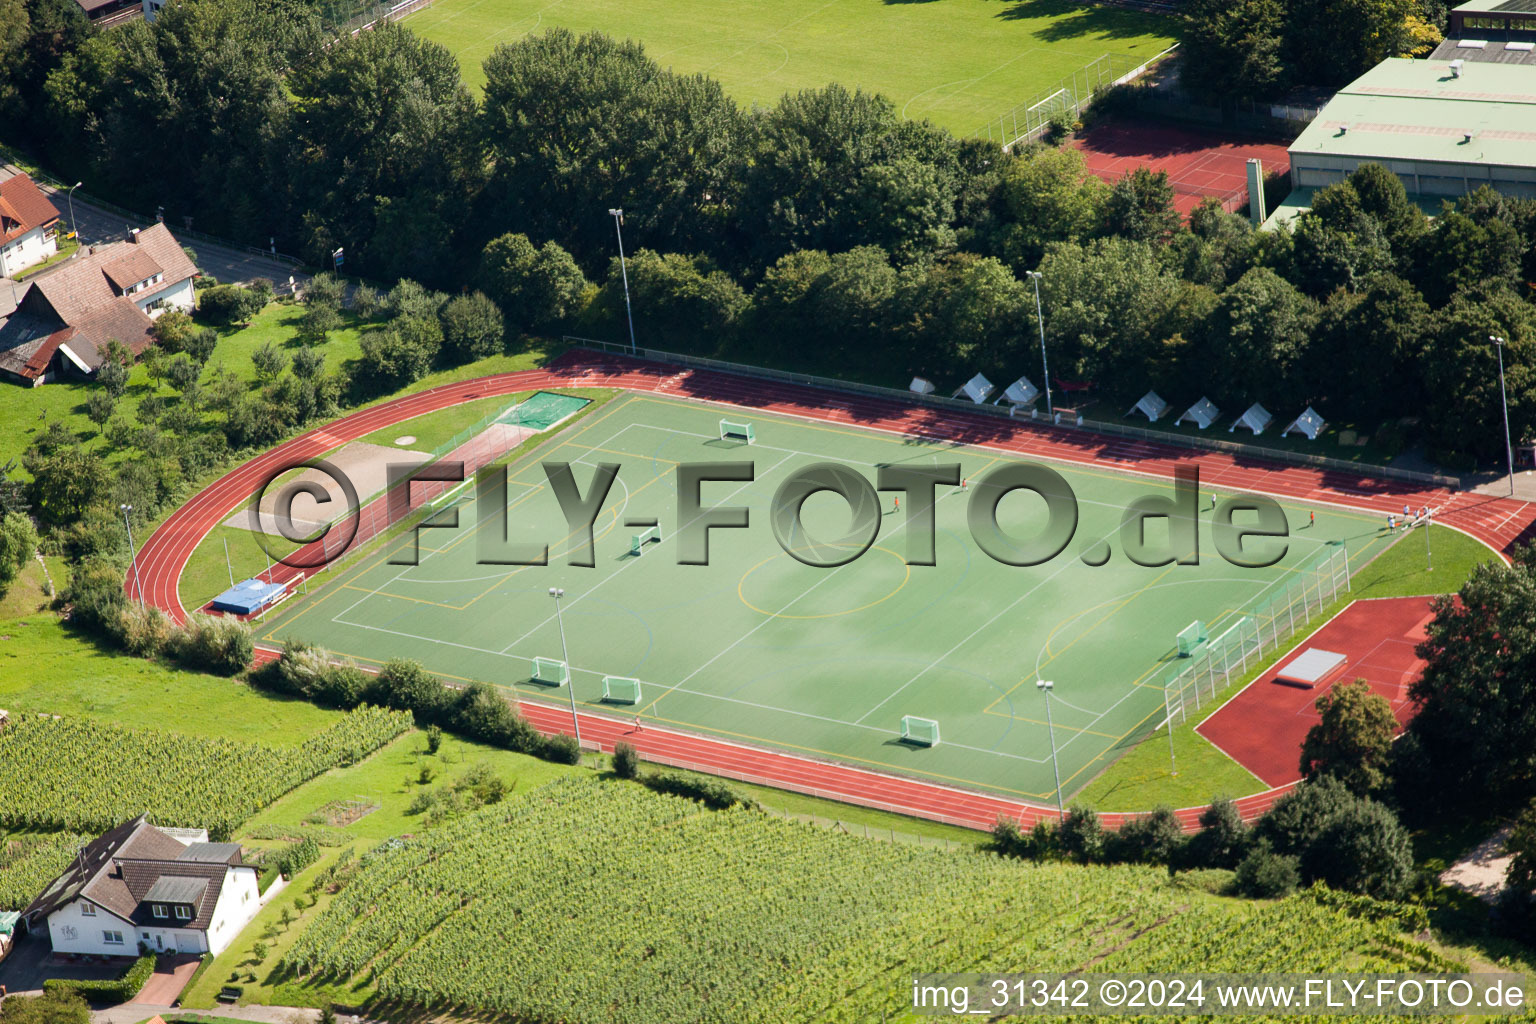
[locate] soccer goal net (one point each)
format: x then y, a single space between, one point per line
621 690
552 671
638 542
922 731
1191 637
730 430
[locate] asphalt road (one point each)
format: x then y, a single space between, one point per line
228 263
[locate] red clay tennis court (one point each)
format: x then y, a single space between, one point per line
1262 728
1199 163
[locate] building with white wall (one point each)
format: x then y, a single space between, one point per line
29 225
165 890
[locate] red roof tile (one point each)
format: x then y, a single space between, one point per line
23 207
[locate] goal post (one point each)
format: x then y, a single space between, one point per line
923 732
1191 637
638 541
552 671
621 690
733 430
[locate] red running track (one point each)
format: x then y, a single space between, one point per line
1262 727
1496 521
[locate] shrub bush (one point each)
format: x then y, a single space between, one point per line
95 597
1081 836
405 685
1155 838
561 749
1222 840
1265 874
229 304
711 792
145 630
217 645
626 760
119 990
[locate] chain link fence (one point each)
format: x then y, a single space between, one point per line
1068 98
1266 625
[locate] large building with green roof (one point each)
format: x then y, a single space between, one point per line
1491 19
1443 127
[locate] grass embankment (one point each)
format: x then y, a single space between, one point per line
1143 778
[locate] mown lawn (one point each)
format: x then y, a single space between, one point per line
1143 778
46 667
958 63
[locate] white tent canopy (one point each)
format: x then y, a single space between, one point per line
921 386
1256 419
977 389
1151 405
1020 392
1308 423
1202 414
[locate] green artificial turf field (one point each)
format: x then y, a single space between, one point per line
957 63
759 647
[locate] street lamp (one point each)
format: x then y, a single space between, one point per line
1509 451
71 196
1045 686
133 553
618 226
1035 275
570 678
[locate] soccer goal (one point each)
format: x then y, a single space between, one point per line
1191 637
638 542
730 430
922 731
552 671
621 690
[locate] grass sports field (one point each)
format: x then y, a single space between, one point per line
955 62
759 647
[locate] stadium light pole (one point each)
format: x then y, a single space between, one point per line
133 553
1034 275
1045 686
71 196
617 213
1509 450
1429 558
570 677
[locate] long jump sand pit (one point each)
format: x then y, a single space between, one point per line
365 465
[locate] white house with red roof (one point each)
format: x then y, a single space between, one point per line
28 225
167 889
68 313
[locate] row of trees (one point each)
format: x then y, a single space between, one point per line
1319 832
825 231
1257 49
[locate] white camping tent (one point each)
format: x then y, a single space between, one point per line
921 386
1202 414
1308 423
1020 393
1256 419
976 389
1151 406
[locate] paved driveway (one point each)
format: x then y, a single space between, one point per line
171 976
32 961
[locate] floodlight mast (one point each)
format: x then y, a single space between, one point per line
1509 450
138 584
1045 686
1045 371
617 213
570 679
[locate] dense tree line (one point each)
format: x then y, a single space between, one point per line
1258 49
825 232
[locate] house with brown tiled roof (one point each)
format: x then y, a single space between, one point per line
165 889
69 312
29 225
